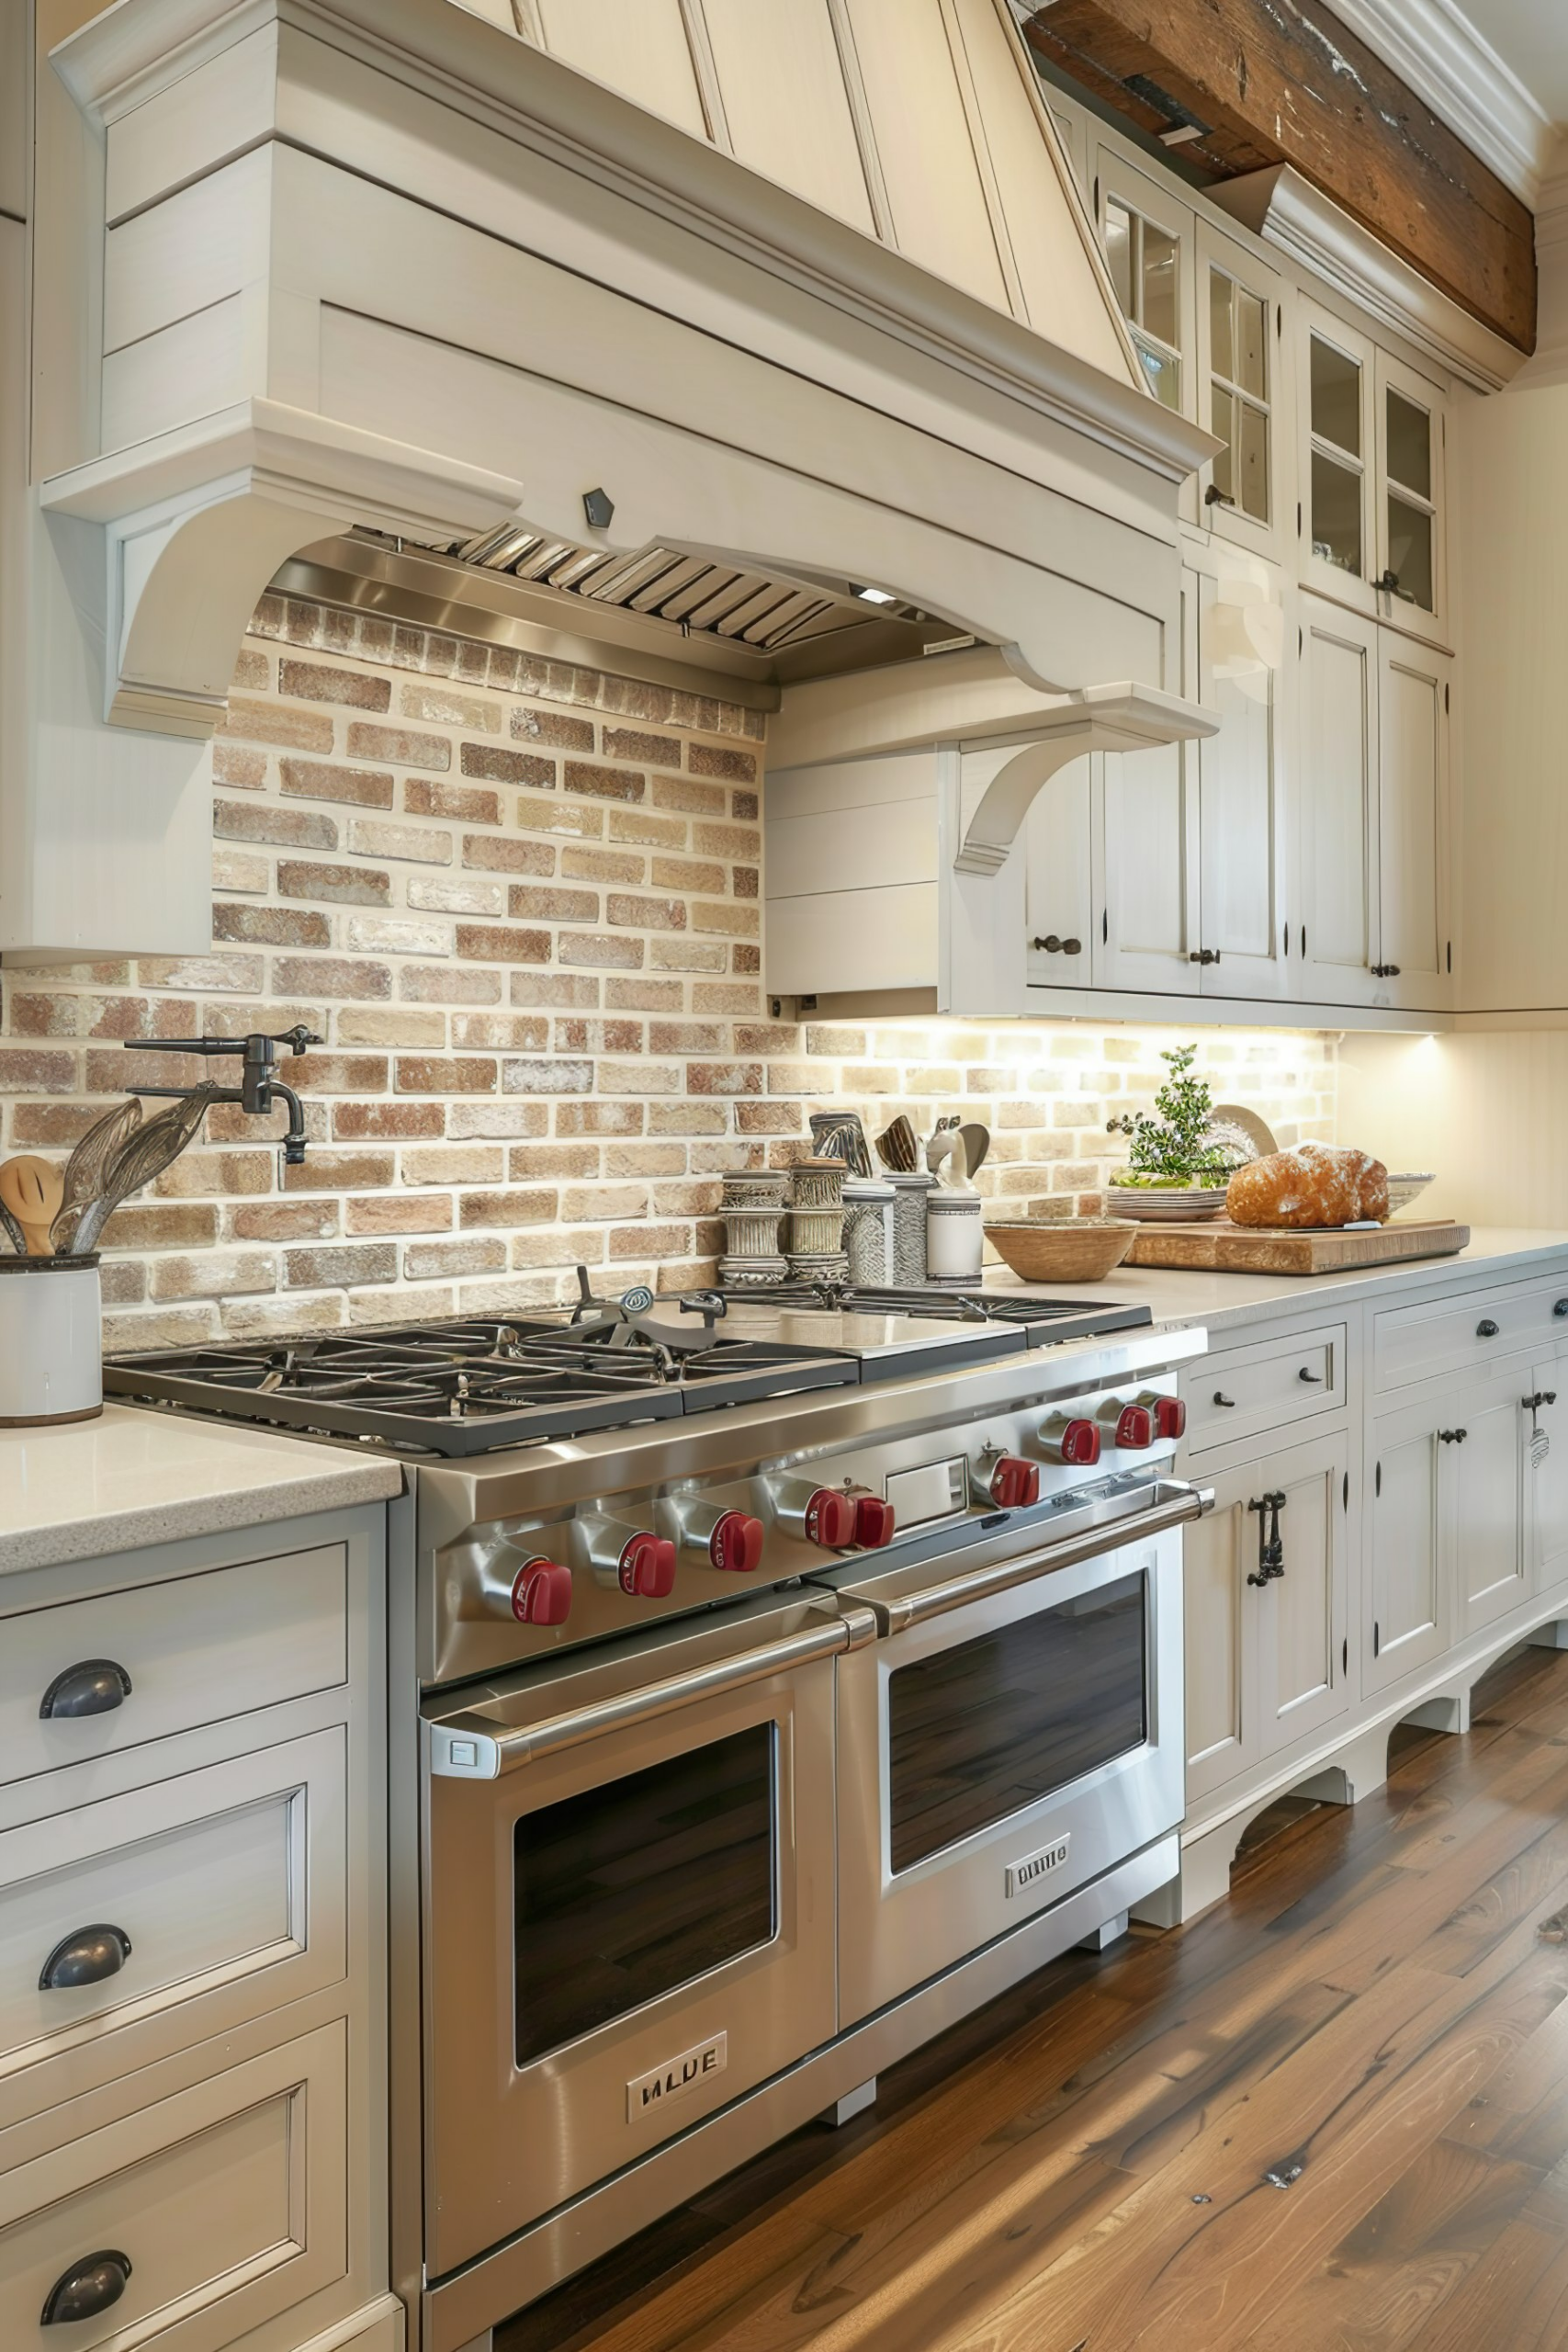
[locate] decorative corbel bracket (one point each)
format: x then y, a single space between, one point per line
197 522
1100 718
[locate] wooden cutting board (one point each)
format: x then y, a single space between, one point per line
1218 1247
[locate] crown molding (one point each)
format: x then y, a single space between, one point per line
1434 48
1278 204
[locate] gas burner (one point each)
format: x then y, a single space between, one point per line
461 1388
1050 1319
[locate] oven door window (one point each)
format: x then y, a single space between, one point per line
982 1730
644 1883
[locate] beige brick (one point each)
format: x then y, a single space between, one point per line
214 1273
448 707
645 996
448 984
722 915
493 764
538 1161
637 744
340 1171
448 1074
485 1116
234 821
396 936
356 1025
530 1208
528 1075
642 825
282 1221
723 760
468 1163
405 747
586 865
592 1118
363 886
605 783
501 853
246 771
456 897
679 953
687 874
551 905
639 1077
553 988
677 792
650 1241
324 780
384 1122
559 1245
647 1160
234 869
727 996
323 1073
686 1038
426 1260
271 926
421 845
401 1212
263 722
219 974
623 907
597 948
595 1204
206 1175
575 1036
331 976
499 1032
502 943
531 726
728 841
314 682
584 819
422 796
346 1265
161 1225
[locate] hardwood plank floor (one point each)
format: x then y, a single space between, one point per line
1331 2115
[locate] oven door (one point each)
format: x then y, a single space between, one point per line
1016 1732
630 1906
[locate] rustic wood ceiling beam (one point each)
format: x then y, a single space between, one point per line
1254 82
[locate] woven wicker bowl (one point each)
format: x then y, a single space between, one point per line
1082 1250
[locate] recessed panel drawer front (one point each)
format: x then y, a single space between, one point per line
147 1922
1246 1392
1469 1333
95 1677
191 2223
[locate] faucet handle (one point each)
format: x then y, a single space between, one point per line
297 1039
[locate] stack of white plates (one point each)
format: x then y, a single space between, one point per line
1163 1205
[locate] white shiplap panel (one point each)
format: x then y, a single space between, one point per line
786 103
638 47
1043 224
845 940
934 189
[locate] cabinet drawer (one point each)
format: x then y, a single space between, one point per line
169 1656
227 2201
182 1909
1277 1384
1469 1333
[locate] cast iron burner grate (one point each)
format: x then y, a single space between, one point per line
471 1387
1061 1318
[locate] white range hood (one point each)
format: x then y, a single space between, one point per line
805 293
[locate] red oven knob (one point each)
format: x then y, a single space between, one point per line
541 1593
647 1567
1169 1413
1131 1427
1015 1483
830 1520
873 1522
736 1542
1065 1438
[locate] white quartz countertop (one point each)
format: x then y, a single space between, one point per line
1223 1302
134 1477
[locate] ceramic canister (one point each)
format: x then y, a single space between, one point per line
909 1191
954 1238
52 1341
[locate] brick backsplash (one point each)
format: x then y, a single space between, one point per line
520 899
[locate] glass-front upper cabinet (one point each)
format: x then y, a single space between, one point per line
1243 391
1150 241
1371 508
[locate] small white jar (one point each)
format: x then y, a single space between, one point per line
954 1238
51 1341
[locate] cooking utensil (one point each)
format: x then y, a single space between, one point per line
898 1147
89 1164
839 1135
12 1231
32 1190
977 1143
146 1153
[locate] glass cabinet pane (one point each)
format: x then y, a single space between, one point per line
979 1731
1409 444
1118 253
630 1889
1410 551
1145 269
1163 372
1238 394
1161 284
1335 513
1336 396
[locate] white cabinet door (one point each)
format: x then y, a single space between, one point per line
1241 865
1059 850
1218 1555
1150 937
1411 568
1337 393
1490 1559
1407 1542
1414 957
1302 1651
1336 798
1244 392
1546 1480
1150 241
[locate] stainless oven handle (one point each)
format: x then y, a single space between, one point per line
468 1747
1179 1503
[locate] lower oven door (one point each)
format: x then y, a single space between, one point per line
1016 1732
629 1907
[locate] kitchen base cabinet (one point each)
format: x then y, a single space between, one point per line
1422 1505
193 2135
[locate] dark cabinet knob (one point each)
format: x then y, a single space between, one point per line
92 2285
93 1687
1053 945
1215 496
1071 946
1203 955
1221 1398
1452 1437
1561 1308
1385 971
85 1957
1313 1379
1487 1329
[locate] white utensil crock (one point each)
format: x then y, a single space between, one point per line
52 1341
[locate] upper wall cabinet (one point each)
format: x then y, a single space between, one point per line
1372 492
1244 393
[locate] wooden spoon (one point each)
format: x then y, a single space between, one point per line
32 1190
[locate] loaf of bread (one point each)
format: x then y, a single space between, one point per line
1309 1185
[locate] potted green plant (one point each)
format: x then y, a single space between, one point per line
1177 1166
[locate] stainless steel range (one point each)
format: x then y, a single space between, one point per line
773 1687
